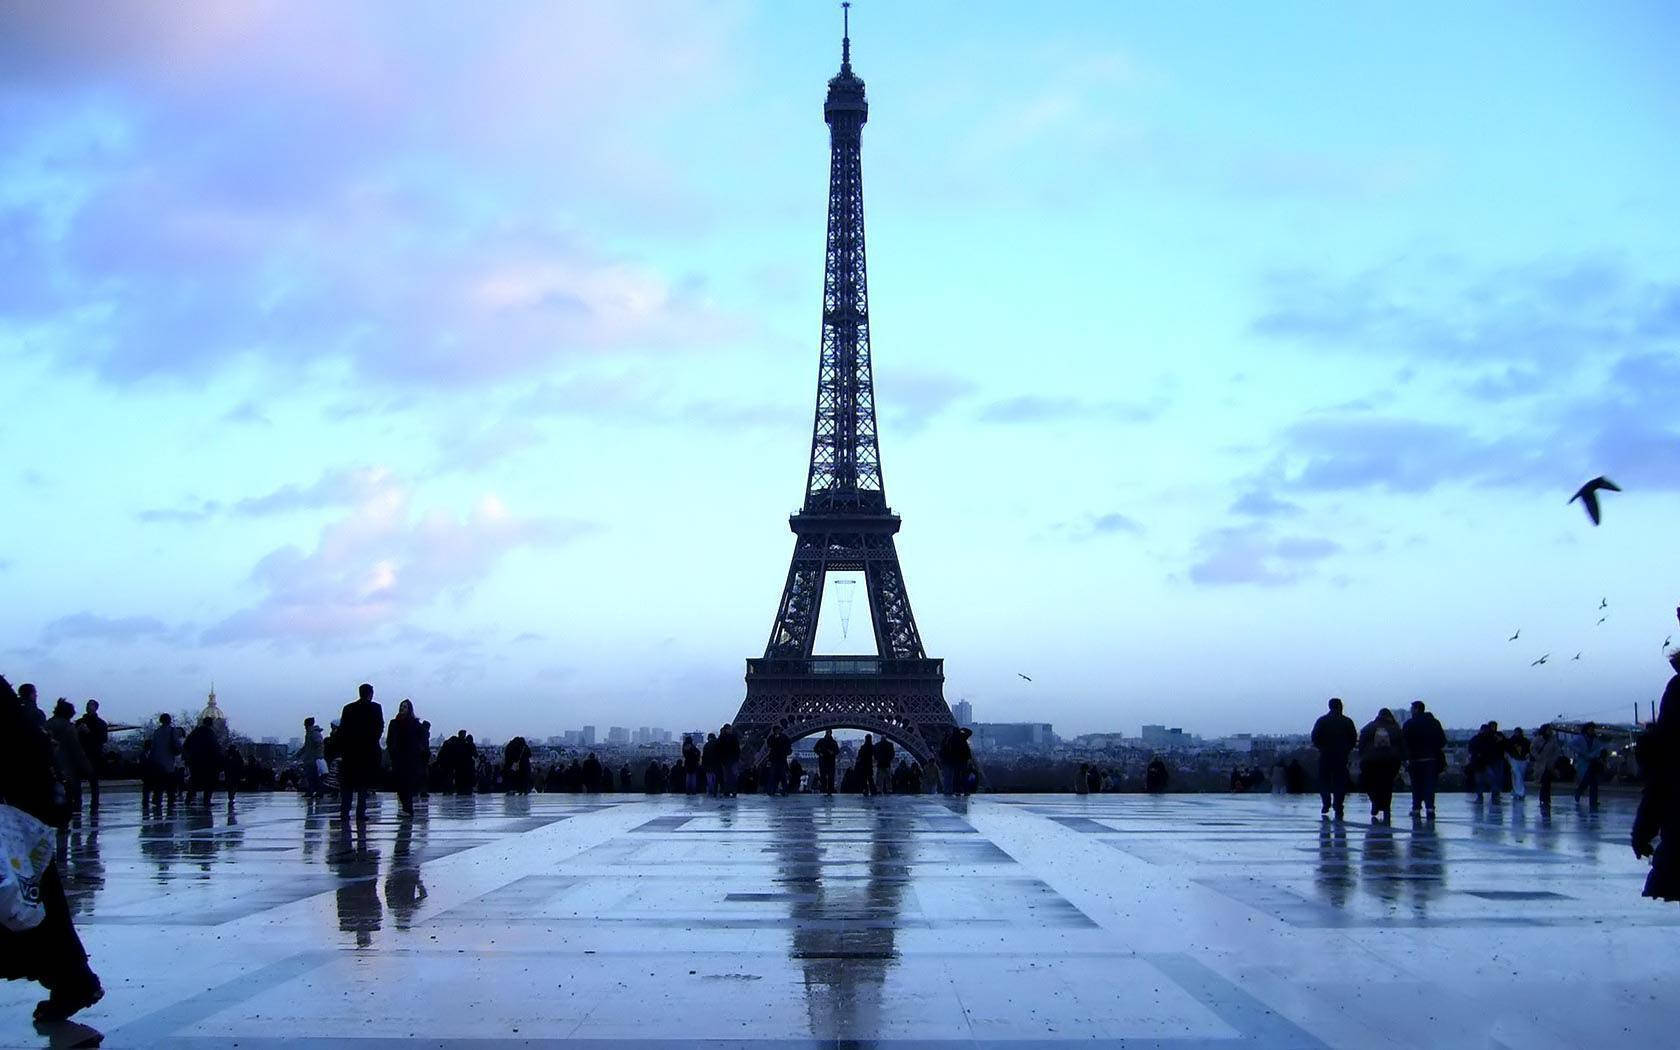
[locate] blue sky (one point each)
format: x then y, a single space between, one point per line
1228 358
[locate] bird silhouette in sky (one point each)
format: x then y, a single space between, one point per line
1540 661
1604 603
1020 675
1601 619
1667 640
1588 495
1577 656
1519 630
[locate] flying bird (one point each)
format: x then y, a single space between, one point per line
1667 640
1588 495
1519 629
1020 675
1601 619
1577 656
1540 661
1604 603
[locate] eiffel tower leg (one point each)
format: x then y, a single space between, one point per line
889 603
795 628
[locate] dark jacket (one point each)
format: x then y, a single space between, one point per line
28 776
1659 805
779 746
405 740
202 750
360 725
1425 739
1335 736
884 753
828 749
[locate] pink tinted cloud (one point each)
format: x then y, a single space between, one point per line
379 563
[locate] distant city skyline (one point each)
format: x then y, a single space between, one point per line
1226 360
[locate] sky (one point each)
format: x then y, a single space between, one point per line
1227 357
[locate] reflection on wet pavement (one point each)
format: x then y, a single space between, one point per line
1114 920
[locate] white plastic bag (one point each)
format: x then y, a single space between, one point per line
26 848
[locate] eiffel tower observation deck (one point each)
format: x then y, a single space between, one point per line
845 524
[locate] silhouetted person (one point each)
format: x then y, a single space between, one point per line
1487 760
729 758
312 758
883 765
1335 736
866 765
203 753
964 779
95 733
1295 777
50 953
73 765
462 762
796 776
409 749
157 765
1658 817
626 783
233 768
1093 780
32 713
1547 753
1381 749
1426 746
360 726
692 775
828 754
779 748
1591 752
653 778
516 766
1517 751
1155 776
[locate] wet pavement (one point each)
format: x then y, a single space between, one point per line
625 921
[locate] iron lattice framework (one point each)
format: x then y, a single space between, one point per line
845 523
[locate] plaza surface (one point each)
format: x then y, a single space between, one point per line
627 920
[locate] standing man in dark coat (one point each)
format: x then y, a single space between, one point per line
729 758
360 726
828 754
779 747
203 753
883 765
865 765
1659 805
1381 749
96 733
1426 745
1335 736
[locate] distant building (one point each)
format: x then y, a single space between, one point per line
618 735
1161 736
1020 736
573 737
588 736
963 712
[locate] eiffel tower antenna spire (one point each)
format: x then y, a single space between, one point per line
846 37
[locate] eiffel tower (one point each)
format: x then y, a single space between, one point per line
845 523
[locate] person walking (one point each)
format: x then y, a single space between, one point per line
408 748
692 775
865 765
883 765
1487 761
1590 752
516 766
828 756
203 753
589 771
779 748
157 765
1335 736
964 777
1548 750
729 758
1426 747
360 725
312 759
95 733
50 953
1381 749
73 767
1656 825
1517 751
233 769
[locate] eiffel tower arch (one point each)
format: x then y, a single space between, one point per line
845 523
